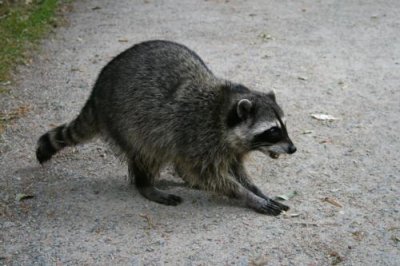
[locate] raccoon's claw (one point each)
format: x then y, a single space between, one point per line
280 205
269 209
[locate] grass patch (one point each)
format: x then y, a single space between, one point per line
22 24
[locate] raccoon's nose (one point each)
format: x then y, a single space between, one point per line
292 149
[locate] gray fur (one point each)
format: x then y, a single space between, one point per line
157 103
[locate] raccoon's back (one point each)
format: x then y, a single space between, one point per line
148 91
154 67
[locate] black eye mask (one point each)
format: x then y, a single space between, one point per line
270 136
284 131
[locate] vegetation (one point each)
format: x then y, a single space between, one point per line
22 24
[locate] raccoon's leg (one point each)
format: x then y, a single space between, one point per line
240 174
81 129
143 175
234 189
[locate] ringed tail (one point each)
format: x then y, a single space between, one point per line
79 130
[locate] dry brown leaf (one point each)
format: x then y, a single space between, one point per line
332 201
358 235
336 257
326 141
149 221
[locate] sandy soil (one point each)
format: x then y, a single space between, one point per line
335 57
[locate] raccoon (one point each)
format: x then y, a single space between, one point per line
158 103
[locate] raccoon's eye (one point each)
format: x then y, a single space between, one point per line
274 134
271 135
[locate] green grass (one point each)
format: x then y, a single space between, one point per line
22 24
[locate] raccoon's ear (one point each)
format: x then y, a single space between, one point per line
243 108
271 95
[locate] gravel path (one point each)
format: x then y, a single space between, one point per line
335 57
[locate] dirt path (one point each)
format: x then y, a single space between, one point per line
336 57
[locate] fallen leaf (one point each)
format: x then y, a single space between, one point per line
307 224
333 202
287 196
307 132
22 196
291 215
5 83
265 36
396 239
336 257
358 235
149 221
324 117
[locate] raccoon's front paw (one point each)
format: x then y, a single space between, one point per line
270 207
280 205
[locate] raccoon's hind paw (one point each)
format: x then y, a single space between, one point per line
172 200
159 196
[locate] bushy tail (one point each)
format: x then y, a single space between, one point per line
82 129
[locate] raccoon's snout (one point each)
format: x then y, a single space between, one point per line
281 148
291 149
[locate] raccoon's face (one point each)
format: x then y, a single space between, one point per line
258 123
